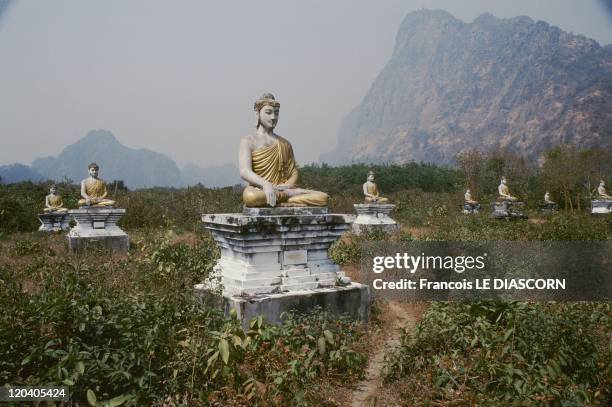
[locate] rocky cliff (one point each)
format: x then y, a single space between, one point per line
451 86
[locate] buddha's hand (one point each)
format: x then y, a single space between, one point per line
88 201
282 187
270 192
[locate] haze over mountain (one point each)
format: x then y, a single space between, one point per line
17 173
451 86
138 168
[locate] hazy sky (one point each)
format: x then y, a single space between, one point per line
180 77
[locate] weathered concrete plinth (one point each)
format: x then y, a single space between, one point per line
374 217
54 221
508 210
275 260
97 228
548 208
601 206
470 208
352 300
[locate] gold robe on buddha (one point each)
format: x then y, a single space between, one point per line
504 194
276 164
96 190
56 204
372 189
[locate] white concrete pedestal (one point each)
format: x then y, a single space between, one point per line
372 217
275 258
508 210
548 208
97 227
54 221
470 208
601 206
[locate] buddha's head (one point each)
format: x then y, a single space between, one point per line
371 176
503 180
467 191
266 111
93 170
52 189
602 183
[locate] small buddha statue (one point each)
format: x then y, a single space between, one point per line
468 198
54 202
504 191
547 199
601 191
267 163
93 189
371 191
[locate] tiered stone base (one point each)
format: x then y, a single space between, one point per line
508 210
97 228
275 260
273 250
372 217
601 206
548 208
54 221
352 300
469 208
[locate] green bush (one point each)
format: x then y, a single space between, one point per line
516 353
129 329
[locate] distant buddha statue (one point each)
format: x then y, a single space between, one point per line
267 163
93 189
601 191
547 199
468 198
504 191
54 202
371 192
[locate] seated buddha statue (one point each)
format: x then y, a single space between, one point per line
93 189
504 191
267 163
547 199
371 192
468 198
601 191
54 202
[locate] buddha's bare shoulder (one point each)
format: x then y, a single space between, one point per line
251 140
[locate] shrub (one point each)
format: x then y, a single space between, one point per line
506 352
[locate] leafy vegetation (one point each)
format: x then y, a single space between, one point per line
127 329
487 353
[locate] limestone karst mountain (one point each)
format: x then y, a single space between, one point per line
451 86
136 167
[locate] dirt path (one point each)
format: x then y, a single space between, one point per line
398 315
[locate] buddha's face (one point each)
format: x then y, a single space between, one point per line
468 191
52 190
503 181
371 177
268 117
93 171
